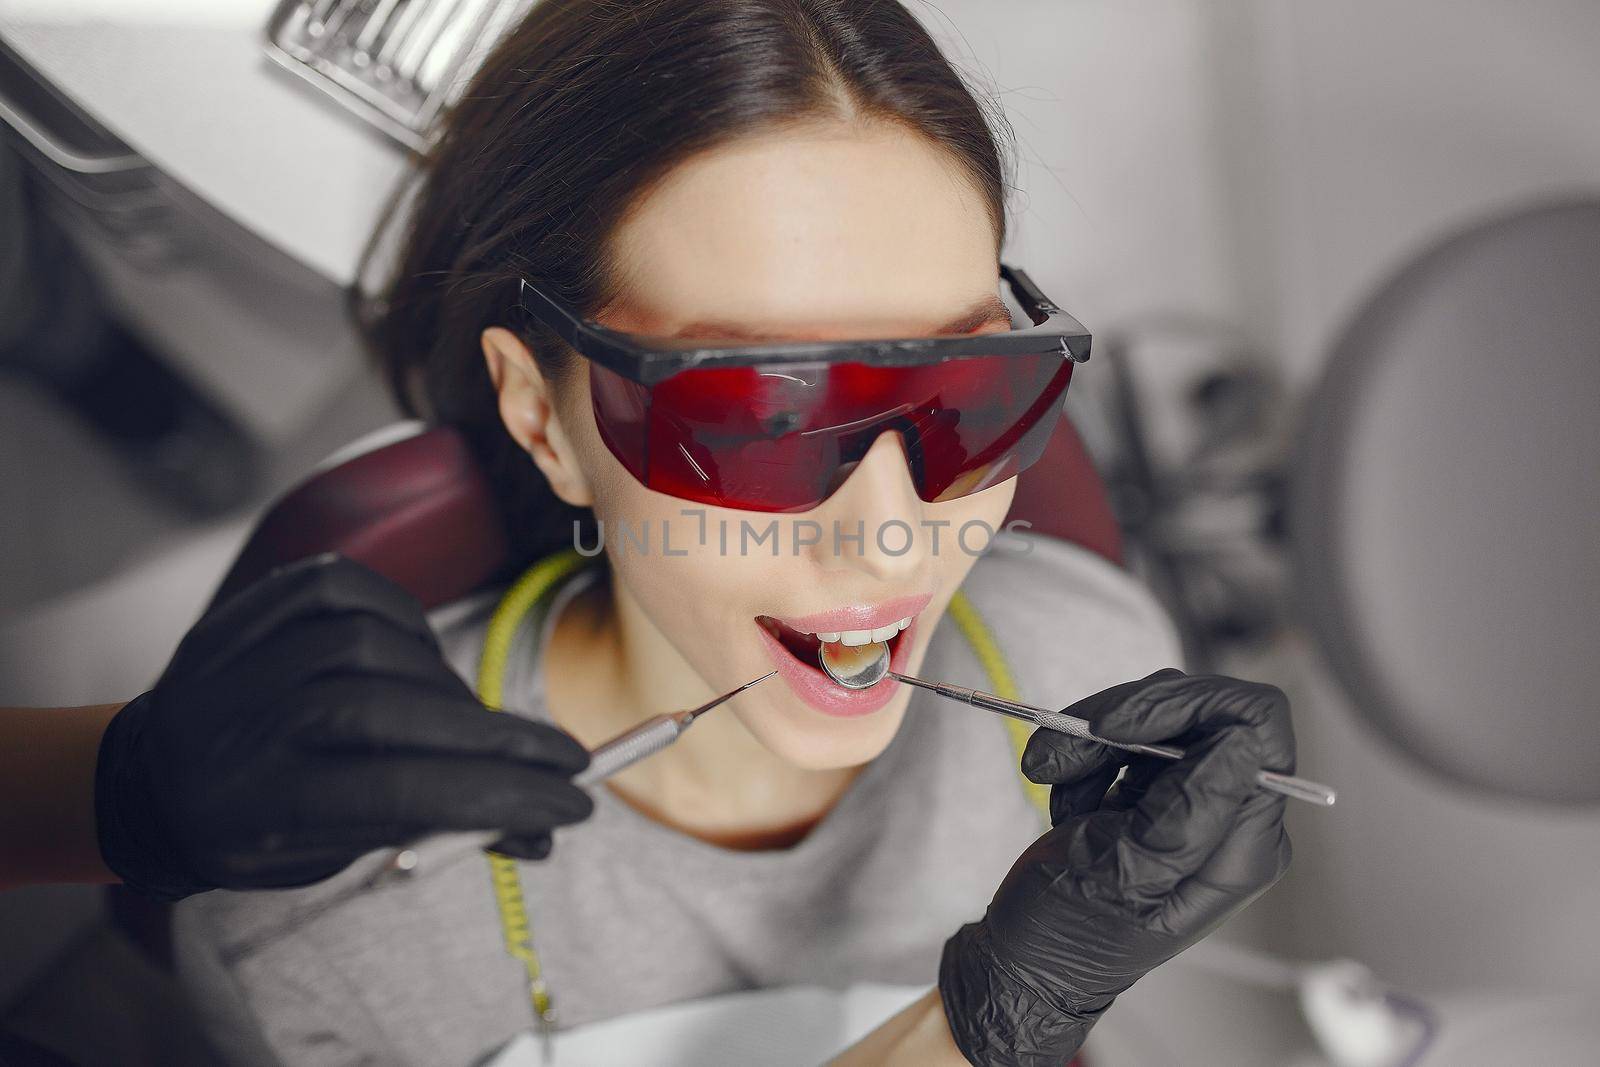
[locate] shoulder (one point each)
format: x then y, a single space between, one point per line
236 925
461 627
1068 622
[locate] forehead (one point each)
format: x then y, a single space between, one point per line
808 231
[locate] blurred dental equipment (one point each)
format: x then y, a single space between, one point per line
1359 1022
1356 1019
863 666
1446 502
397 63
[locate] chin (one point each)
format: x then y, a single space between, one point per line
802 738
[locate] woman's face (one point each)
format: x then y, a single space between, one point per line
826 232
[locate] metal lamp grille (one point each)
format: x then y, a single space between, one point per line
395 63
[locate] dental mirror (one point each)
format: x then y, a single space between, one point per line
855 666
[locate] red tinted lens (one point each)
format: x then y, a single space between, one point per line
783 438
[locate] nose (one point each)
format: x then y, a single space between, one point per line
872 522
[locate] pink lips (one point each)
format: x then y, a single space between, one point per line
822 692
859 616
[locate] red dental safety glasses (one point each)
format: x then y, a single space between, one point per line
779 427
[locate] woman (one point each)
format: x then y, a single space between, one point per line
750 171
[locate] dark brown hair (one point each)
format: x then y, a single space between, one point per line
570 121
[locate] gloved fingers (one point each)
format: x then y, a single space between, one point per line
1180 820
1256 852
1081 770
382 715
304 672
1096 706
309 588
1180 707
1251 858
1135 781
1055 758
321 854
1085 795
532 847
233 867
337 815
346 642
417 794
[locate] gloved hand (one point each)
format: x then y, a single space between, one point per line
1124 880
304 722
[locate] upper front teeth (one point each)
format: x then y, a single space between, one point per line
861 637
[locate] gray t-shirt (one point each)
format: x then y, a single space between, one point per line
628 914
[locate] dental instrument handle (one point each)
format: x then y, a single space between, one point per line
649 737
1285 784
1297 788
624 750
646 739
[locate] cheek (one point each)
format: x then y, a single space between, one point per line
973 521
682 561
686 565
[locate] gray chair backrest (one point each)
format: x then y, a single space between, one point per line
1446 507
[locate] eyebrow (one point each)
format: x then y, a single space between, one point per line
988 311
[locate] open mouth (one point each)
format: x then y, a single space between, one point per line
794 645
805 646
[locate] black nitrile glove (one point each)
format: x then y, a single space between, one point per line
304 722
1127 879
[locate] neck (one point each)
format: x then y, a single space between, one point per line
608 668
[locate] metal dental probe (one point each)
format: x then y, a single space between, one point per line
649 737
624 750
861 666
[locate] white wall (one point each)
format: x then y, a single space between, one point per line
1388 124
1263 162
1111 102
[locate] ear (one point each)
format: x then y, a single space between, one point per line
528 408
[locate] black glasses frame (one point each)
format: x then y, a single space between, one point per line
648 360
